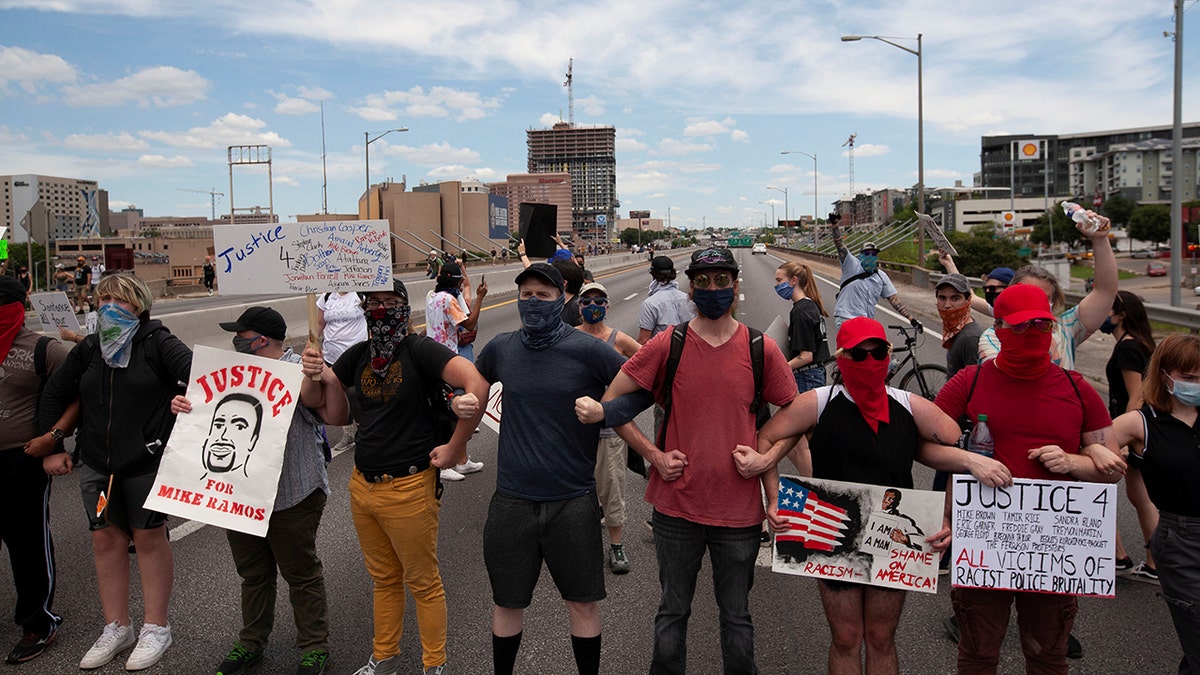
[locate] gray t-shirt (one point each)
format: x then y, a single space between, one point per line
858 298
545 453
964 349
665 306
303 457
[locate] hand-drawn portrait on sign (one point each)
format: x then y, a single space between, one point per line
232 434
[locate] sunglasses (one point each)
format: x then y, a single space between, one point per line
584 302
860 353
719 280
1043 325
993 290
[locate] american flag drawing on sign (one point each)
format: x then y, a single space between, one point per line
813 523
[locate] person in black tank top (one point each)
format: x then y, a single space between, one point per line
863 432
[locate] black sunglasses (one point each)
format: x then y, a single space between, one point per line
860 353
584 302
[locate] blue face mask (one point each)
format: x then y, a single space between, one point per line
1187 393
869 262
116 326
713 303
784 289
593 313
1108 326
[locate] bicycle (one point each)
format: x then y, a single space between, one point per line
924 379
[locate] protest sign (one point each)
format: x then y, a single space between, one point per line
778 331
304 257
866 534
491 414
935 233
221 465
1047 536
55 311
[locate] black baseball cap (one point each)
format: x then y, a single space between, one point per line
262 320
662 263
545 271
712 258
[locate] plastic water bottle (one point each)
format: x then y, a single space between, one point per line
980 441
894 367
1078 214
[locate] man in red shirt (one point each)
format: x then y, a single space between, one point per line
1043 419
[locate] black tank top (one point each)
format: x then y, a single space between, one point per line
844 448
1171 463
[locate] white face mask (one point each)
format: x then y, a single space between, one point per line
1187 393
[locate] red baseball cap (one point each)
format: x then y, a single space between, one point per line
858 330
1022 302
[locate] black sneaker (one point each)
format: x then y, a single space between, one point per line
312 662
1123 565
239 660
1074 649
950 623
1144 573
618 562
31 646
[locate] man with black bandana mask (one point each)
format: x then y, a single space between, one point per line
545 506
863 283
394 491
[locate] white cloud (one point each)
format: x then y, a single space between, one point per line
293 106
314 93
708 127
433 154
231 129
416 102
739 136
670 146
160 87
629 145
31 70
867 150
10 137
160 161
549 119
592 105
115 142
285 180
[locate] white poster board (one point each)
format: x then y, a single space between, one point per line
350 255
1046 536
491 413
865 534
935 233
54 310
778 331
221 465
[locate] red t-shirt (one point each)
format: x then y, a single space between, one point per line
1027 414
710 414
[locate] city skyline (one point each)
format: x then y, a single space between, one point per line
143 98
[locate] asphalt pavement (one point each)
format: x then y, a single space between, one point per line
1130 633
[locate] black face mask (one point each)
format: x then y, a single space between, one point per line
990 293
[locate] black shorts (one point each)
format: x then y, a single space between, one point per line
520 534
126 497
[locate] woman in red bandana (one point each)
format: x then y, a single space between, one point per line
863 431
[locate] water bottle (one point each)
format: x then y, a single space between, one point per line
894 367
1078 214
980 441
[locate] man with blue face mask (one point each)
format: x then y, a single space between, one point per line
863 284
545 506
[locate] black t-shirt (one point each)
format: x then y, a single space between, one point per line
396 427
82 274
209 271
806 332
844 448
571 313
1171 463
964 349
1128 354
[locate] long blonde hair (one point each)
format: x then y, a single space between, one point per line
806 282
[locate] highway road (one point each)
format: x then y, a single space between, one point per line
1129 633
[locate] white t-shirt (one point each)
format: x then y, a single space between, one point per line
345 323
443 313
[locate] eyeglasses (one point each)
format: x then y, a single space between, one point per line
719 280
372 305
860 353
993 290
1044 325
584 302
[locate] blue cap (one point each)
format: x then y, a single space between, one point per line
1002 274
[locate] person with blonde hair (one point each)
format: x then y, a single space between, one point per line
1162 438
808 344
131 358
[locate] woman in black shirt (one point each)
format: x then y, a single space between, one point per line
808 346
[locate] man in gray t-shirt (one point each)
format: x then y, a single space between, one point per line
665 304
863 283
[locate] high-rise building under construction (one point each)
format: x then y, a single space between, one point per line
588 154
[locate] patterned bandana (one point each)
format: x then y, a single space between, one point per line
541 322
116 327
953 321
385 329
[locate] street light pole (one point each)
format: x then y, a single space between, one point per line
920 126
774 223
367 141
816 232
786 218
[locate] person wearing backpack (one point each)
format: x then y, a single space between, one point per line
25 528
863 283
124 377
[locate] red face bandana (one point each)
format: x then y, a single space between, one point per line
864 380
12 319
1024 356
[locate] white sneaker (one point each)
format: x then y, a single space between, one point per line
452 475
385 667
469 467
114 640
151 645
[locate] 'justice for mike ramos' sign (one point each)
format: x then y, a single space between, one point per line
1045 536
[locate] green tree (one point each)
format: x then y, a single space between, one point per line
981 251
1118 209
17 257
1064 229
1151 222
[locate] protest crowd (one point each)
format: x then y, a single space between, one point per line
1014 418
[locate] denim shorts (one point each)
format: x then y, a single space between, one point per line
520 534
125 496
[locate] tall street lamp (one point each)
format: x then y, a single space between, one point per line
816 234
367 157
920 128
774 223
786 217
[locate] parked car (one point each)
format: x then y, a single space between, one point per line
1196 290
1144 253
759 248
1155 269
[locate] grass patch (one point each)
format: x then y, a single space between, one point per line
1085 271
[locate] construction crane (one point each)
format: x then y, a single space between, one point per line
850 142
211 193
570 92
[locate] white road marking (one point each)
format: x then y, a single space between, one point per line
630 297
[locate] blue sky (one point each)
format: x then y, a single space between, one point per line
144 96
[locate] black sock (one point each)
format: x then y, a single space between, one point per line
587 654
504 653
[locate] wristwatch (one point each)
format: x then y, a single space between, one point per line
57 434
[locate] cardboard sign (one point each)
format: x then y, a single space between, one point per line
54 310
491 413
319 257
935 233
1046 536
865 534
221 465
778 331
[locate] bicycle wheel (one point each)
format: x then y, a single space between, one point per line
925 380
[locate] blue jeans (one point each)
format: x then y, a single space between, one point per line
807 380
680 545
